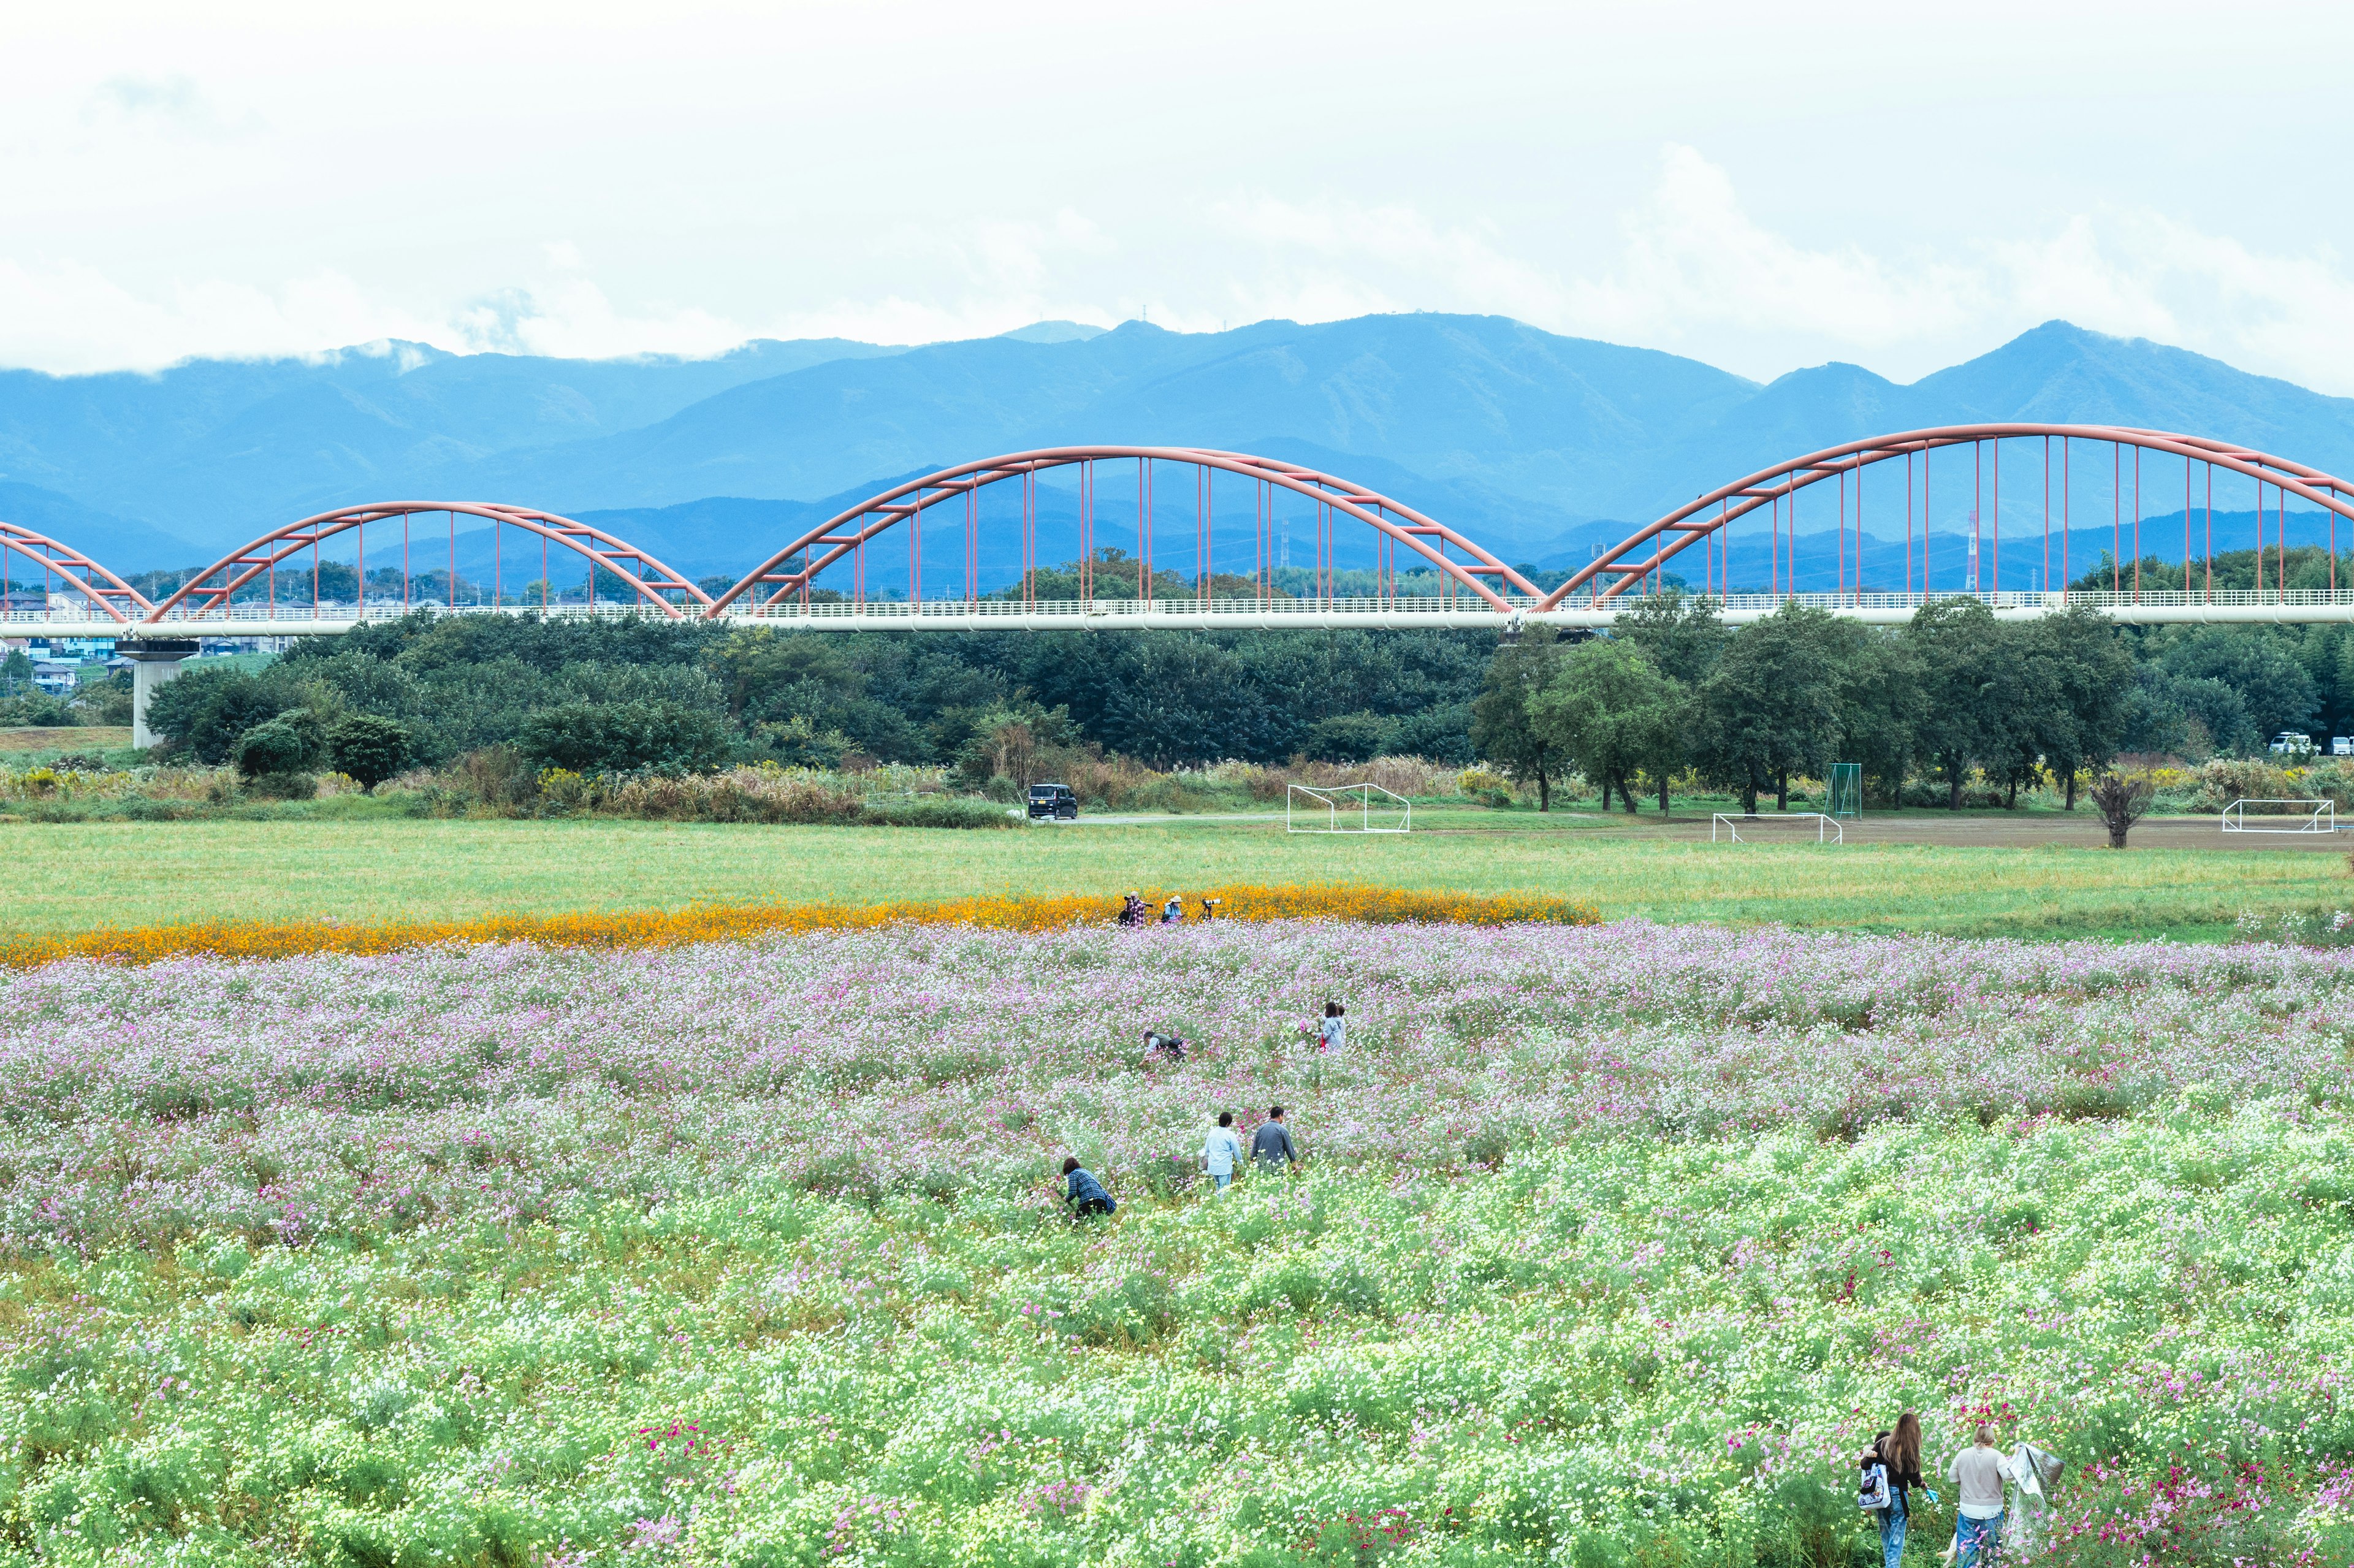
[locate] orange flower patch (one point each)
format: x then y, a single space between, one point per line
725 922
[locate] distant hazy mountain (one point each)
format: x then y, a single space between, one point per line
2056 374
1544 446
116 543
218 450
1558 420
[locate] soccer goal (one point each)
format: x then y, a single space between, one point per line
2254 816
1345 809
1777 827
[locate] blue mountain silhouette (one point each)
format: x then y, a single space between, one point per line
1543 444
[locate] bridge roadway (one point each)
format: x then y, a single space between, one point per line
2222 607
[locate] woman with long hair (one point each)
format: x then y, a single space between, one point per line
1900 1452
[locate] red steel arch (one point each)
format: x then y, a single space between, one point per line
1393 522
647 577
1717 510
118 599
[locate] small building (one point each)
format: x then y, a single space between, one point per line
58 677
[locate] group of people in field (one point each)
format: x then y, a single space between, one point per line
1891 1467
1892 1474
1271 1151
1135 911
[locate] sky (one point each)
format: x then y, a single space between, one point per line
1761 187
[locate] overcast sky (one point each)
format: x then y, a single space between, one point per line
1760 187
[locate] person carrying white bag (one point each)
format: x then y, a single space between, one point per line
1891 1466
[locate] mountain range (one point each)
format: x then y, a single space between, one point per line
1543 446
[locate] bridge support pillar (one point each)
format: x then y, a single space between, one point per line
153 662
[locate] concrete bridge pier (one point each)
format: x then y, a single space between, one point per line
153 662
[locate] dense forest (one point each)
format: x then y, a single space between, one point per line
1956 695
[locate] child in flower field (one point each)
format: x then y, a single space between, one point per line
1333 1029
1979 1471
1083 1191
1168 1047
1223 1152
1900 1451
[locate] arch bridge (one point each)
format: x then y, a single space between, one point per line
915 556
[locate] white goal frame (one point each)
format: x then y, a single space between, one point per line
1827 828
2321 818
1334 798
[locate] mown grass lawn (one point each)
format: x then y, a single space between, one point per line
74 876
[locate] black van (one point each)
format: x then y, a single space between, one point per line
1054 801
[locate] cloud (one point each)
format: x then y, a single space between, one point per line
1695 271
173 105
2138 273
1690 268
66 317
1329 260
1694 259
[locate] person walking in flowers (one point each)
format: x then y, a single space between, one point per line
1897 1456
1978 1472
1272 1150
1222 1152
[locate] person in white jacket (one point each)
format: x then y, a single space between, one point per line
1977 1473
1222 1152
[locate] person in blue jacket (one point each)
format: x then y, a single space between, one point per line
1084 1192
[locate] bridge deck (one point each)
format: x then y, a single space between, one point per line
2222 607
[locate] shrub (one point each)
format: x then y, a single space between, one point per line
289 743
206 712
368 749
283 786
1350 738
625 737
2223 780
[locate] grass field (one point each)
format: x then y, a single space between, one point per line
83 737
77 876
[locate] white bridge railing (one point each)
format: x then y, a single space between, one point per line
62 617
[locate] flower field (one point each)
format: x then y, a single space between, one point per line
735 922
1612 1242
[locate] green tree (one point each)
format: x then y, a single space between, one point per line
2090 678
1880 707
1608 711
292 742
206 712
1966 675
1771 705
625 737
1359 736
1682 637
1502 729
369 749
2257 663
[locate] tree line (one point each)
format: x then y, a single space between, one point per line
637 694
1952 696
1923 708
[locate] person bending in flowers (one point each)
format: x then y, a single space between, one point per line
1083 1191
